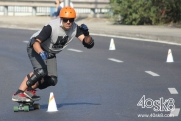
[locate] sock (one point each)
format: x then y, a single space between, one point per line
18 91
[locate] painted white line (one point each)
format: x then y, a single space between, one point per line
115 60
74 50
25 41
175 112
152 73
105 35
138 39
173 91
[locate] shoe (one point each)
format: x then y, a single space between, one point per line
32 95
20 98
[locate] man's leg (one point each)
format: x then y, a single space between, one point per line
51 78
19 95
30 81
23 85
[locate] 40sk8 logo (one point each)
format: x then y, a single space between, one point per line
157 105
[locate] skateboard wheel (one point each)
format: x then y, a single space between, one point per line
26 108
16 108
36 106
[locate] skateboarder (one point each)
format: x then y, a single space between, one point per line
42 49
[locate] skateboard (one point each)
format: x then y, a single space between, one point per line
26 106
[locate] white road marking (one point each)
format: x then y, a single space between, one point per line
104 35
25 41
138 39
115 60
173 91
74 50
175 112
152 73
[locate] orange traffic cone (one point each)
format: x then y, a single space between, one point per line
52 107
112 45
169 56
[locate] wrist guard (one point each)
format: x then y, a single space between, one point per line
88 45
44 55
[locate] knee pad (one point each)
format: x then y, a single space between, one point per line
52 80
37 75
48 81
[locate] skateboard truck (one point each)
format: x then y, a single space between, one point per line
26 106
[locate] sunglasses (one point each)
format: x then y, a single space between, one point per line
68 19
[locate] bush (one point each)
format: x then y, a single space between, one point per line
147 12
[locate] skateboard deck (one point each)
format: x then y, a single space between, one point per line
26 106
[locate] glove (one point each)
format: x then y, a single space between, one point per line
88 45
84 29
44 55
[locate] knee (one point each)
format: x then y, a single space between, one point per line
48 81
35 76
52 80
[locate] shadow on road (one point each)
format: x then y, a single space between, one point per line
45 106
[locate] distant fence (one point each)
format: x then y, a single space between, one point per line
35 8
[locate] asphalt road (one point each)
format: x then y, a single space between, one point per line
97 84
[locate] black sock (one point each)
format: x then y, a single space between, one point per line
18 91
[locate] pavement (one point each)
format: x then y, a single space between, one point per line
103 26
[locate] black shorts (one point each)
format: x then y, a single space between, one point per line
50 64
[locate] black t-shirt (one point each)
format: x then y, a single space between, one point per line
47 30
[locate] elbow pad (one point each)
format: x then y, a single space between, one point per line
32 41
88 45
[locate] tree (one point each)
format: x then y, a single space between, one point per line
140 12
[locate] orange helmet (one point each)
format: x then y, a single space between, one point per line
67 12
